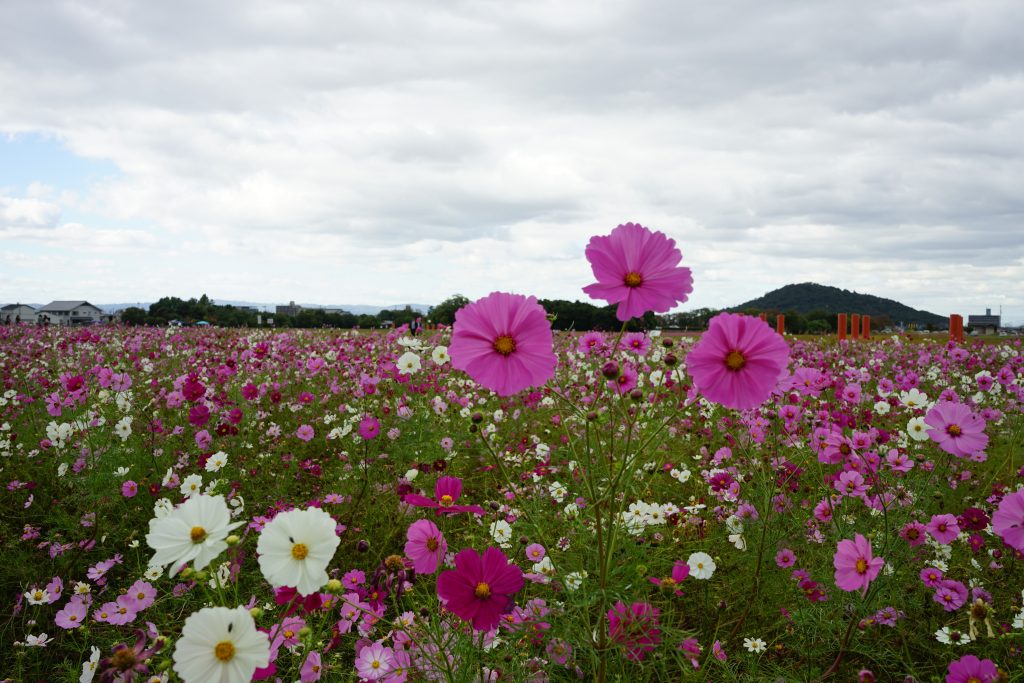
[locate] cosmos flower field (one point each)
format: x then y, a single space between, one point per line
498 502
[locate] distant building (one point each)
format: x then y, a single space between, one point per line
292 309
984 324
72 313
13 313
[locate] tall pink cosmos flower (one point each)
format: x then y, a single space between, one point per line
855 566
956 428
503 341
943 528
970 669
446 491
638 270
737 362
480 589
1008 520
425 546
635 628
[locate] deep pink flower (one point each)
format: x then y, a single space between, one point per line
943 528
913 533
635 628
931 577
970 669
1008 520
425 546
855 566
503 341
129 489
785 558
446 491
305 433
950 594
680 570
369 427
480 589
737 362
638 270
956 428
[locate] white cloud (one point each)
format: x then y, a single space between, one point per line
467 146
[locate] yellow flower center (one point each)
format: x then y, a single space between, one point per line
431 544
954 430
38 595
198 534
505 345
735 361
633 279
483 591
446 501
862 565
375 664
224 651
299 551
123 659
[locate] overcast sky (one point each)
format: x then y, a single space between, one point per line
385 152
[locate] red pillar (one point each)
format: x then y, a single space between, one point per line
763 316
855 325
956 327
780 324
841 326
865 322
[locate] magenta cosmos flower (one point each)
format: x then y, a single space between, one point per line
503 341
480 589
970 669
638 270
1008 520
855 567
737 362
956 428
446 491
635 628
425 546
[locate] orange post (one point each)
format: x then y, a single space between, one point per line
855 325
956 327
763 316
865 322
780 324
841 326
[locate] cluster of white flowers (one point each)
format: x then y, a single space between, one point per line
58 434
641 515
123 428
501 532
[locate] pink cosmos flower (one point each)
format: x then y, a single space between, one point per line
73 613
931 577
425 546
312 668
375 661
369 427
737 362
680 570
785 558
943 528
305 433
503 341
950 594
535 552
129 489
855 566
1008 520
480 589
635 628
970 669
913 533
638 270
851 483
446 491
142 594
956 428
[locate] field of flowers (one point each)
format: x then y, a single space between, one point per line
501 503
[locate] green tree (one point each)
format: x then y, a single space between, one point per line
444 312
133 315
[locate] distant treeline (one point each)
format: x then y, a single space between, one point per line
564 315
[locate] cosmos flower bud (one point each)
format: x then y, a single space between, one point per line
610 370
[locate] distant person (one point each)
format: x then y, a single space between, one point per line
17 319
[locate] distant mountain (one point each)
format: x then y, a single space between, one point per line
809 297
358 309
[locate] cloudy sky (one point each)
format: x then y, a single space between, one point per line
403 151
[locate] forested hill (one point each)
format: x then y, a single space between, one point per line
809 297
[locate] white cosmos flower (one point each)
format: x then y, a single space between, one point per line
701 566
440 355
408 363
755 645
192 485
295 549
914 398
89 667
195 530
917 429
221 644
501 532
216 461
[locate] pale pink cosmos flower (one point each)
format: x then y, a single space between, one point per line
1008 520
943 528
425 546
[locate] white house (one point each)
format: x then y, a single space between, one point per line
71 313
14 313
